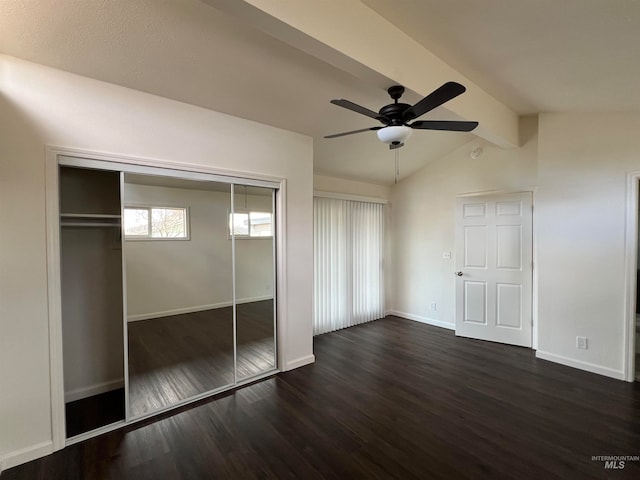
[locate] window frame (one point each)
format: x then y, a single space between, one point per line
149 237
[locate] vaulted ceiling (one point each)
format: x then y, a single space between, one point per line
280 67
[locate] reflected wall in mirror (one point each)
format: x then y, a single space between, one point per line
179 288
253 227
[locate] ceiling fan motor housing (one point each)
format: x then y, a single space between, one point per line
394 112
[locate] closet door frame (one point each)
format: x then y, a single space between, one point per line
61 156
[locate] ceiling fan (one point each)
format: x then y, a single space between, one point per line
395 116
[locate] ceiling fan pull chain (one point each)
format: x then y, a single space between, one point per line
397 173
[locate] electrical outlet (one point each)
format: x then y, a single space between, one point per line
582 343
434 306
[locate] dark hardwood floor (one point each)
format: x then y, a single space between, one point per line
388 399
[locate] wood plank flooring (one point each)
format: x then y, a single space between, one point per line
388 399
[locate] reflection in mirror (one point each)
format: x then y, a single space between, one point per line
253 227
179 290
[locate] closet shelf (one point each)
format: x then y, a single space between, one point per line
88 215
89 220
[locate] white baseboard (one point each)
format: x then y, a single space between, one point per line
254 299
193 309
581 365
299 362
91 390
177 311
24 455
418 318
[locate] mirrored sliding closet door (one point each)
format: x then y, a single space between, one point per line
179 290
168 288
253 234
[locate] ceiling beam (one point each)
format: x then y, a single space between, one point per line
349 35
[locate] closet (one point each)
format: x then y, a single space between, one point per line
168 288
91 283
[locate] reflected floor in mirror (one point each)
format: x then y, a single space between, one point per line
178 357
255 333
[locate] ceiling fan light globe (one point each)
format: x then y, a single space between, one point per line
393 134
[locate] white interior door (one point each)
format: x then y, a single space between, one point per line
494 268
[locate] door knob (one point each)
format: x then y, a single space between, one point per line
459 274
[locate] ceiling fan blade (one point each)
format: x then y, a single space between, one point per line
352 132
452 126
436 98
354 107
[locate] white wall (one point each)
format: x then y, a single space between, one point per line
324 183
422 213
91 310
42 106
579 164
581 205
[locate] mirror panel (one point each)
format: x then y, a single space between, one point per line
253 231
179 289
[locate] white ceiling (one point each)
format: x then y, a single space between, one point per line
534 56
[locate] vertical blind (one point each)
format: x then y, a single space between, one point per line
348 273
